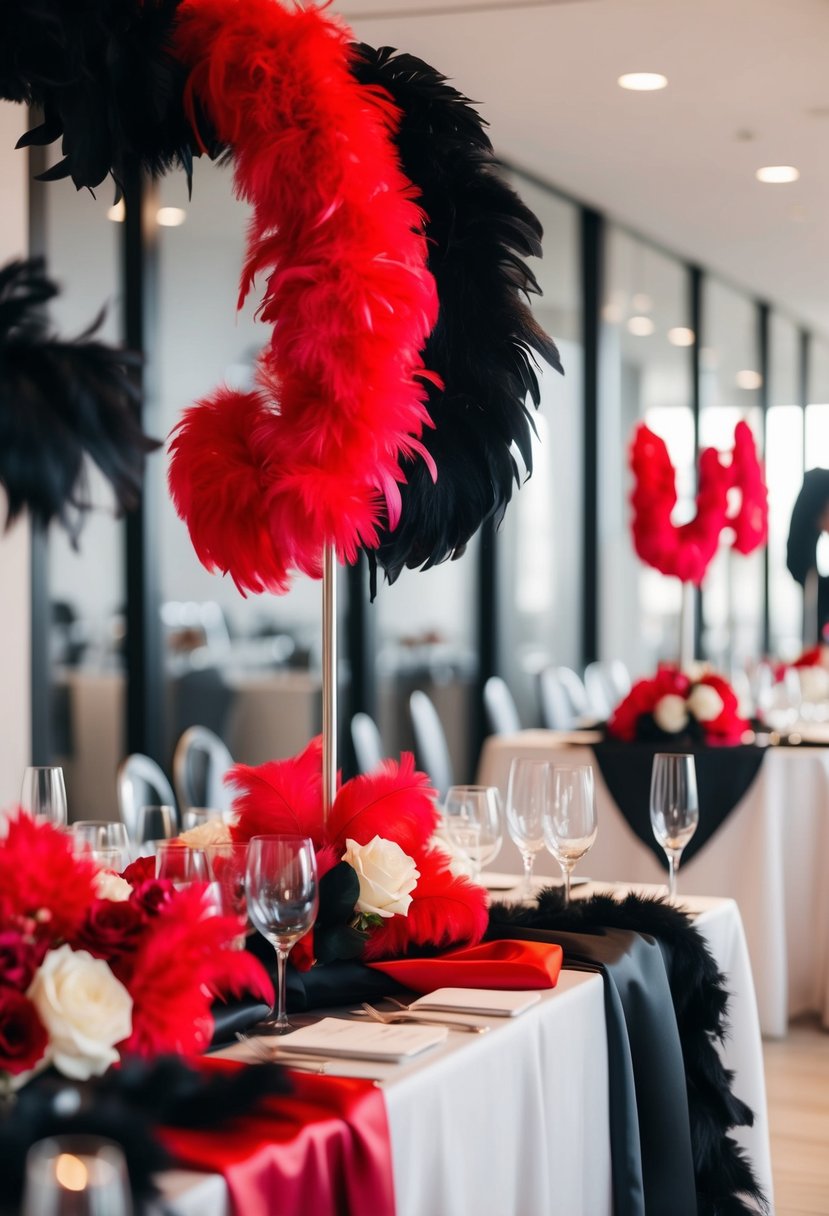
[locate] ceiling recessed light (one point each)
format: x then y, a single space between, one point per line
748 379
777 175
170 217
643 82
641 327
117 212
681 335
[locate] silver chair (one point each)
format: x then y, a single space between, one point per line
606 682
500 707
430 742
367 742
562 696
141 782
200 762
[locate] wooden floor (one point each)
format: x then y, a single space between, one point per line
797 1078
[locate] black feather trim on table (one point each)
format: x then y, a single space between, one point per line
479 233
725 1181
61 402
125 1106
106 81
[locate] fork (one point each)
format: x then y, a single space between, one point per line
389 1019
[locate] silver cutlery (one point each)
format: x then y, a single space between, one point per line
424 1019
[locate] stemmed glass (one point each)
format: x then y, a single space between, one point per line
528 800
43 795
155 823
283 899
570 827
76 1176
198 816
674 807
102 837
180 864
226 864
472 815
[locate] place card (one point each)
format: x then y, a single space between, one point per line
493 1002
338 1038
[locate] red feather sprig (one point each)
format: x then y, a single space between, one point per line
337 232
282 797
395 801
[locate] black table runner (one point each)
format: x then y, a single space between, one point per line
724 776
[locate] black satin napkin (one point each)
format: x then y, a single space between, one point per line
235 1017
724 775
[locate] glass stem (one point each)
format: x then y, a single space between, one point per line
529 860
673 864
281 1018
565 870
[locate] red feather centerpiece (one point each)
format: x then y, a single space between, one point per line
375 855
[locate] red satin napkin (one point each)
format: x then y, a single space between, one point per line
499 964
323 1149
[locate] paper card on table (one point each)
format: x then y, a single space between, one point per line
495 1002
363 1040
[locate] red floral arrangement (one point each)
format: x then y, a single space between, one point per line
685 551
384 886
94 965
672 704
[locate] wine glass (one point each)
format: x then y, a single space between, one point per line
472 815
570 827
528 800
197 816
283 898
43 794
226 865
154 823
674 807
180 864
96 836
76 1176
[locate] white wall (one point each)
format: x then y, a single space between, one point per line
15 631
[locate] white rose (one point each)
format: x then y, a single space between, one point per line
85 1009
671 714
705 703
112 886
215 831
387 876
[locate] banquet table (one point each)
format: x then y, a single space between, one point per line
771 855
544 1078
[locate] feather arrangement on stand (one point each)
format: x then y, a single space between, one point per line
479 232
61 402
337 233
106 82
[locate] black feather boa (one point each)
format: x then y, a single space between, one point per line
60 402
479 233
726 1185
125 1106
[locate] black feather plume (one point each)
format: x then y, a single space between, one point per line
479 233
106 81
59 403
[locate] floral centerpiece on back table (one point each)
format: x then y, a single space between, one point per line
94 967
701 707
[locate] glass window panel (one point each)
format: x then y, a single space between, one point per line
784 477
645 375
817 410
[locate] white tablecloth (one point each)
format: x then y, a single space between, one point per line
515 1123
771 855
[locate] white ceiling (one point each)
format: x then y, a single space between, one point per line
748 86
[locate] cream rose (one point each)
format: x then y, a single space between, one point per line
671 714
112 886
215 831
85 1009
705 703
387 876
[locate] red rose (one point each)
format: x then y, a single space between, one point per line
19 960
139 871
151 896
112 929
23 1037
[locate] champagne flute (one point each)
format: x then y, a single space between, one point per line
528 800
674 807
283 898
43 794
570 827
472 815
76 1175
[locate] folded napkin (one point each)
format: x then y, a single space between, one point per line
498 964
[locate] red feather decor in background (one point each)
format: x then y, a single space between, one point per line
265 479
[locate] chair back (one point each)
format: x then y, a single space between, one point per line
501 710
200 762
556 707
367 742
141 782
430 742
606 683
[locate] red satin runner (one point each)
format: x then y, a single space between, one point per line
322 1150
500 964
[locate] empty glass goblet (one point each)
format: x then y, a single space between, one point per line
94 836
529 791
570 827
472 817
674 807
43 794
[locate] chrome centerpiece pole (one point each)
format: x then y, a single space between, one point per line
329 678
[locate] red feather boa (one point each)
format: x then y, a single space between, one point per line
264 480
686 550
